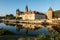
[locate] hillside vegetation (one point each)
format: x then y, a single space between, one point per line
56 14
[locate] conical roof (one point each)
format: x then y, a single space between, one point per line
17 10
50 8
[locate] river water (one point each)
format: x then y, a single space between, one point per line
24 28
27 29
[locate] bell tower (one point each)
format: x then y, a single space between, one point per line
49 13
17 13
26 8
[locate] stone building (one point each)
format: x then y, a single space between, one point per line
49 13
29 15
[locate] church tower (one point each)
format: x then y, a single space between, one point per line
26 9
49 13
17 13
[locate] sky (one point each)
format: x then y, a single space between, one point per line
10 6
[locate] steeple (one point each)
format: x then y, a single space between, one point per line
30 10
50 8
26 8
17 10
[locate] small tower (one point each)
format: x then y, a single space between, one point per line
17 13
30 10
26 9
49 13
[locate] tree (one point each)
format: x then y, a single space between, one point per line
56 14
19 18
11 16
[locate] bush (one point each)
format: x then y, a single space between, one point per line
50 36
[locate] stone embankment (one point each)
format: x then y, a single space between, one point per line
51 22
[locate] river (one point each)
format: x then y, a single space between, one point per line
24 29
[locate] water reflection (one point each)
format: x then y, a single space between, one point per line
11 24
56 27
27 29
30 26
18 27
49 27
32 29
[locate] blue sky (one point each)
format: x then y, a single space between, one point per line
10 6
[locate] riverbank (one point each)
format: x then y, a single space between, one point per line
45 21
5 32
39 37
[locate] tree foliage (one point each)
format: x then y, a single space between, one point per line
49 36
56 14
11 16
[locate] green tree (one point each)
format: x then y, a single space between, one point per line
56 14
11 16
